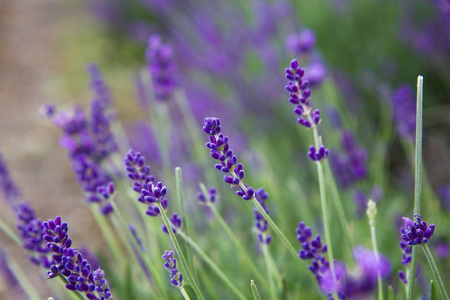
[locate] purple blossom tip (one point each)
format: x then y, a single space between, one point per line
417 232
211 126
301 43
319 155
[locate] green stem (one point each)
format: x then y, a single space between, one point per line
148 265
323 203
254 291
185 295
435 271
273 226
109 234
23 280
9 232
377 257
64 280
418 180
270 271
212 265
183 212
183 261
339 208
241 250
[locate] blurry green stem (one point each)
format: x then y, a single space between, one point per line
23 280
270 271
212 265
254 291
185 295
175 243
144 257
377 257
9 232
418 179
323 202
435 271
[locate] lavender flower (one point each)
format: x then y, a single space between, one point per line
105 144
312 249
47 110
76 138
161 67
317 71
69 263
301 43
261 223
98 85
30 231
417 232
406 255
176 278
8 275
220 151
299 95
7 186
97 185
404 106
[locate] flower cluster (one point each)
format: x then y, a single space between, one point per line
97 185
261 223
417 232
176 278
30 231
299 96
161 67
351 165
220 151
138 171
68 262
312 249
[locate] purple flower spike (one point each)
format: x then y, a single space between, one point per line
105 143
98 85
176 279
69 263
319 155
161 67
261 223
211 126
417 232
404 106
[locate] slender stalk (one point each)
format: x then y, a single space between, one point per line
183 261
371 212
270 272
182 209
274 226
339 207
109 234
323 203
23 280
212 265
241 250
254 291
144 257
64 280
435 271
9 232
418 180
185 295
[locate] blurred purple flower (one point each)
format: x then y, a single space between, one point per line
301 43
404 106
8 187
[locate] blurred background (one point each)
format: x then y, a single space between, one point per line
363 58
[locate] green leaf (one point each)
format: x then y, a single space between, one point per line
390 293
433 294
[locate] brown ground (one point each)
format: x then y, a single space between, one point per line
31 57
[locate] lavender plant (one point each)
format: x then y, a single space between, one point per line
212 254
